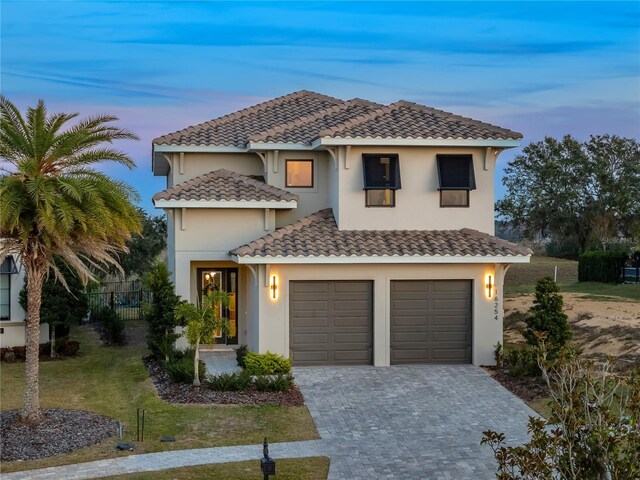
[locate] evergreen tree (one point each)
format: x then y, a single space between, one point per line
548 316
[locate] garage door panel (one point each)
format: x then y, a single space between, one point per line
311 338
343 334
430 321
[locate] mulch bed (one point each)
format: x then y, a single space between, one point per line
187 393
528 389
61 431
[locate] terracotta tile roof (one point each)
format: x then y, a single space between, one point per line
305 129
410 120
304 116
234 129
225 185
317 235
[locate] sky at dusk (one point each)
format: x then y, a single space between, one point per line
545 68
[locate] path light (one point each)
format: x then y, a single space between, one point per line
267 464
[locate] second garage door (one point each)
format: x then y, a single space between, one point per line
430 321
331 322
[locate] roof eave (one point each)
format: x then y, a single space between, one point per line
198 148
439 259
278 146
418 142
284 204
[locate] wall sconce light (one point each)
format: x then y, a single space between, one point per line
489 286
274 287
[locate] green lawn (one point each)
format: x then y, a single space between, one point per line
312 468
114 382
522 277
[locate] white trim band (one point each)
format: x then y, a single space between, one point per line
416 142
383 259
198 148
224 204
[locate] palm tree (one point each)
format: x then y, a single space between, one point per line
56 204
203 321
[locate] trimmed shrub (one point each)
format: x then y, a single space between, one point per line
279 383
548 317
229 382
601 266
523 362
241 352
110 326
266 363
180 367
69 348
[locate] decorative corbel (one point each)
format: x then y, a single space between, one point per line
181 167
334 156
347 151
254 273
275 161
263 157
169 160
267 274
267 225
183 218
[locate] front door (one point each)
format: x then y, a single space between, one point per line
227 280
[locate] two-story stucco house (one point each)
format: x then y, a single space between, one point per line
346 232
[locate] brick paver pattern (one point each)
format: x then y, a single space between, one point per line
401 422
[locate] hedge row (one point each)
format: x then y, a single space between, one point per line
601 266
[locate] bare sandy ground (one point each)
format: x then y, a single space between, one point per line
599 327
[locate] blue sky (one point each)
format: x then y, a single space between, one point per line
542 68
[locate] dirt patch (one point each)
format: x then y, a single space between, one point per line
187 393
600 328
528 389
61 431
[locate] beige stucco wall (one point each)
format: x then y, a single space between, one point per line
418 202
196 164
486 328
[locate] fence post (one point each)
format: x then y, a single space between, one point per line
112 301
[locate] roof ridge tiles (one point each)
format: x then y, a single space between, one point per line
247 111
306 119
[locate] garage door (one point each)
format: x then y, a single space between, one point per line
331 322
431 321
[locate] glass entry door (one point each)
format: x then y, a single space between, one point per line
223 279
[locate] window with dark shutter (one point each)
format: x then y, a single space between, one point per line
457 178
381 179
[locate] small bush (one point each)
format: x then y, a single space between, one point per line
180 368
548 317
279 383
230 382
523 362
241 352
110 326
266 363
70 348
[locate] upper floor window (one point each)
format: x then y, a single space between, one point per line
457 178
381 179
299 173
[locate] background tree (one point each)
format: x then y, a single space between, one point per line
558 187
547 315
56 204
160 312
61 306
145 248
203 320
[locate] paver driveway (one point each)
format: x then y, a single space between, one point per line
421 422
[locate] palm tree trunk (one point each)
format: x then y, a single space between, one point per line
31 403
196 364
52 328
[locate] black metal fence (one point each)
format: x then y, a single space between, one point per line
126 298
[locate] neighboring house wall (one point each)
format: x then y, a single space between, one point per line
418 201
486 329
13 334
